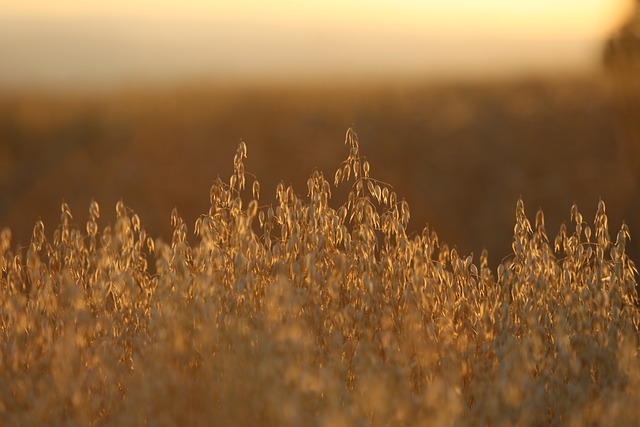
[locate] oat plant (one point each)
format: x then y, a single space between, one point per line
302 312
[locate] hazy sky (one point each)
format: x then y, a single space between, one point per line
78 42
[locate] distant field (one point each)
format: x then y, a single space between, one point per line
460 154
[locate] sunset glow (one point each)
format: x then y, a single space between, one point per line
72 41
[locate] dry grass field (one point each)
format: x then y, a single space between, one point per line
316 312
291 287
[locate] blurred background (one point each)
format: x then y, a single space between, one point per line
461 106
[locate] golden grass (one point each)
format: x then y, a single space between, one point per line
302 313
